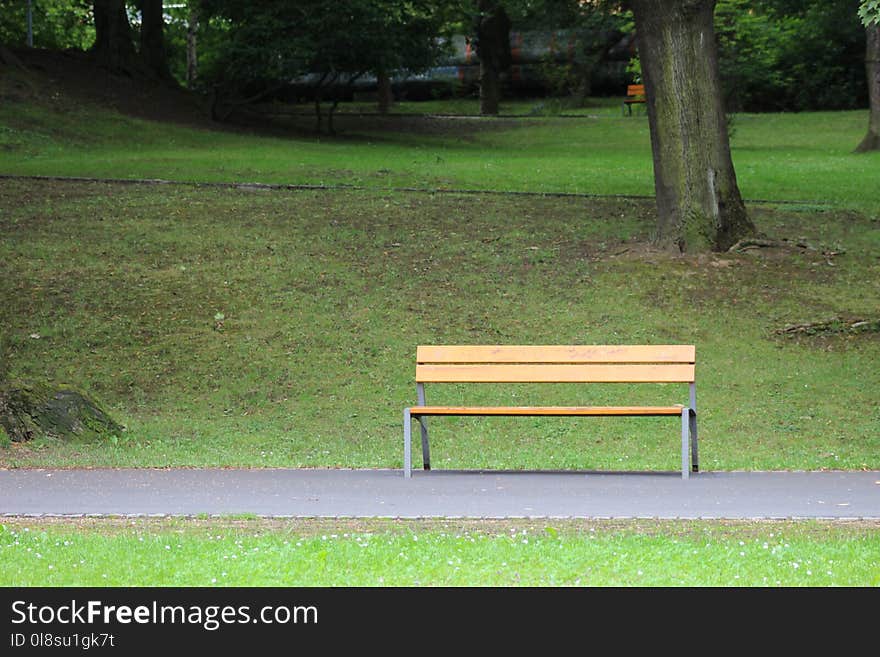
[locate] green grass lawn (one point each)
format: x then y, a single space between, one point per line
223 552
278 328
792 157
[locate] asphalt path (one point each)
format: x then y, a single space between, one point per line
439 494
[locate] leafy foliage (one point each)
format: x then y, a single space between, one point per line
869 11
591 28
749 51
277 40
57 24
562 14
783 55
175 32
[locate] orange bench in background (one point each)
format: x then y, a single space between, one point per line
635 94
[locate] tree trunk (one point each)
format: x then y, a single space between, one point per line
383 88
583 71
492 28
330 129
699 205
192 58
114 48
153 51
871 142
32 410
490 89
318 116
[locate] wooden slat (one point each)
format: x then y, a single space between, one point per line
546 410
433 373
556 354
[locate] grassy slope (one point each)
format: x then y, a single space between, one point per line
255 553
324 297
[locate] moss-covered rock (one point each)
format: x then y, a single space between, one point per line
30 410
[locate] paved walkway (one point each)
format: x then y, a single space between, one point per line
450 494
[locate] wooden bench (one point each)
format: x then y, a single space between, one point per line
555 364
635 95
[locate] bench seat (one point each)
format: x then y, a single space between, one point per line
560 411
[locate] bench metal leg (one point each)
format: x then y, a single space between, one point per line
685 427
695 460
407 444
426 449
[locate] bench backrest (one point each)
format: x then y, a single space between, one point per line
635 90
556 364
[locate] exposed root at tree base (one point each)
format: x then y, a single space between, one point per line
750 243
836 326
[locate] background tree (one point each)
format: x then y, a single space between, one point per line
113 48
192 29
152 39
699 205
416 37
752 45
869 11
187 39
822 49
590 31
790 55
492 40
265 47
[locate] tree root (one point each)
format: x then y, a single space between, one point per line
748 243
836 326
870 143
